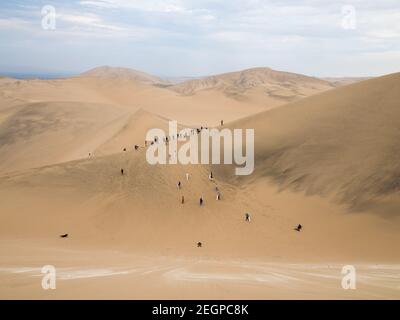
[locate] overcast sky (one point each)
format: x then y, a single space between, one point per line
194 37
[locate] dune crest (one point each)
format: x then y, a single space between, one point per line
126 73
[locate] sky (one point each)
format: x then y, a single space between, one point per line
196 38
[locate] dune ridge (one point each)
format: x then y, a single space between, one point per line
126 73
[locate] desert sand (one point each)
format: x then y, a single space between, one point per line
326 157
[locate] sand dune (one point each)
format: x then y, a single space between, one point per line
257 90
134 220
344 81
38 134
133 132
72 117
44 113
99 208
275 84
342 142
126 73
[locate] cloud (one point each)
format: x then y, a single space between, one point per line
13 23
214 35
148 5
89 20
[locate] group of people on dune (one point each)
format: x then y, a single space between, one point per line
166 140
201 200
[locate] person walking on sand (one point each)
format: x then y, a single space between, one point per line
201 201
122 172
211 177
218 196
179 185
187 176
247 216
222 123
298 228
183 200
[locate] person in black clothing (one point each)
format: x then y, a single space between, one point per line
298 228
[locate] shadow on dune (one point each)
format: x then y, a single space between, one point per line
341 143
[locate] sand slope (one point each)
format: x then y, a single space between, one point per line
38 134
137 231
342 142
141 211
337 144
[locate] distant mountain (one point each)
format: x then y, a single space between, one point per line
275 84
124 73
5 80
278 85
343 81
179 80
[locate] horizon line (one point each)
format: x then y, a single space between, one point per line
50 74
